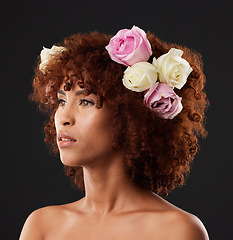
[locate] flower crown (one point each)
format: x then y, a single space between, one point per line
132 49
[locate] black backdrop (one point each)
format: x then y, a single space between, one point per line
31 179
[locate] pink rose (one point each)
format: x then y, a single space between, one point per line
128 47
162 99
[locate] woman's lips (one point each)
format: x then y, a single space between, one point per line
65 143
65 140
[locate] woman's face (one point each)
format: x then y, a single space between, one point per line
84 133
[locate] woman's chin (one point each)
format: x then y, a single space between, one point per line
71 162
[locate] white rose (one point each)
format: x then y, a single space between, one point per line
47 54
172 68
140 76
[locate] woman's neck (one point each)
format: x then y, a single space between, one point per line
108 188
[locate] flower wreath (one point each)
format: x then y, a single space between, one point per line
131 48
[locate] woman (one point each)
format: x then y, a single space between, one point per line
125 113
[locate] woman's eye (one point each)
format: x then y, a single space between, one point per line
84 102
61 102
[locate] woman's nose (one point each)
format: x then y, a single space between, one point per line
66 123
67 117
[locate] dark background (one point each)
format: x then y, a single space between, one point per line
31 178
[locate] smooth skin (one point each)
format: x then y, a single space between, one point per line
113 206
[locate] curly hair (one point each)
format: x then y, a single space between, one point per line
158 152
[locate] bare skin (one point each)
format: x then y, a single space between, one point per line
113 206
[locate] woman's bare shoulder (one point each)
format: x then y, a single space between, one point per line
42 219
177 223
43 213
186 226
32 226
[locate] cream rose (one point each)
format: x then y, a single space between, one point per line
47 54
172 68
140 76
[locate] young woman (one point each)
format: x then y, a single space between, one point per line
125 113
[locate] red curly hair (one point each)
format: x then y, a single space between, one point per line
158 152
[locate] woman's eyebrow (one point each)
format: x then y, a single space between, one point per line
61 92
76 94
79 92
